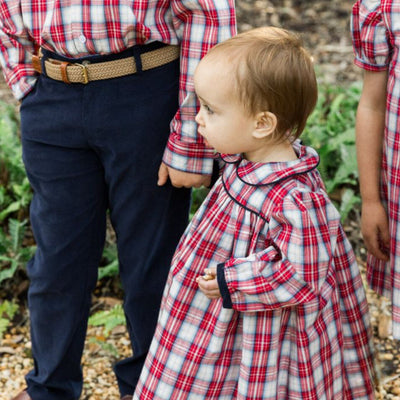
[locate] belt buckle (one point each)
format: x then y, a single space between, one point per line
85 75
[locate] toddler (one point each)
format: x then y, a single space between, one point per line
264 298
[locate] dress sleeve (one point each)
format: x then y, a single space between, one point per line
371 41
16 49
294 267
199 24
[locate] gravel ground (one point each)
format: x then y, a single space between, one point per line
324 26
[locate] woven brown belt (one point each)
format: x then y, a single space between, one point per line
84 73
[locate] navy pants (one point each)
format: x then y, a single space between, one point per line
87 149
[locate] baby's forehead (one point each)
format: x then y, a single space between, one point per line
217 67
216 58
211 77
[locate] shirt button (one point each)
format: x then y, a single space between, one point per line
82 38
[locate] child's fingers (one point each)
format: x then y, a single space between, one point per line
162 175
210 273
375 247
212 293
207 283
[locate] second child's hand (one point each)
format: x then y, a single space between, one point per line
208 283
181 179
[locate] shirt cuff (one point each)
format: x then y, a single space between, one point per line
23 87
191 157
223 287
369 66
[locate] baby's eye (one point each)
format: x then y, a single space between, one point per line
208 109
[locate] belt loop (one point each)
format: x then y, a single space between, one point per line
137 56
37 60
64 74
42 59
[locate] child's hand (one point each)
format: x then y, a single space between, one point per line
375 229
180 178
208 283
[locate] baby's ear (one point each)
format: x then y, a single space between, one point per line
265 124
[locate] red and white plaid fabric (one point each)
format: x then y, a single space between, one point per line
376 36
79 28
299 323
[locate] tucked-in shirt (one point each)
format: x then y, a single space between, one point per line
80 28
293 322
376 41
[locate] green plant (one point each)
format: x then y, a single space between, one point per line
15 196
108 318
7 312
15 192
12 252
19 201
110 255
330 130
198 196
106 347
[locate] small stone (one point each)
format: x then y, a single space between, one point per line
7 349
386 356
396 390
384 326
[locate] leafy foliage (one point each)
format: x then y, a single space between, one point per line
15 196
110 255
198 195
108 318
330 130
105 346
12 253
7 311
15 192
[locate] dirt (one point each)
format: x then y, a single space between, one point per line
324 27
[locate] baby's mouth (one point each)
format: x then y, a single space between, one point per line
206 142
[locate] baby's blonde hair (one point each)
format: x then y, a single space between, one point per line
273 72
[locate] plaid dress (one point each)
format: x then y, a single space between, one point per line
376 41
293 322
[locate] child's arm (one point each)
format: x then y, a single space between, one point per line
199 25
370 127
16 49
294 268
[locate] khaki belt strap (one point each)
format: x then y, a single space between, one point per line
84 73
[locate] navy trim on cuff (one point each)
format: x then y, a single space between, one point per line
223 287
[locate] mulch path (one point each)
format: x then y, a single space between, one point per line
324 26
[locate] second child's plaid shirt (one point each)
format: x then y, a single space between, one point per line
79 28
376 41
293 322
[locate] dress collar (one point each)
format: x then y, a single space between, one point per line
258 173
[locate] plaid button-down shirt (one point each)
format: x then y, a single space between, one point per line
376 41
296 322
79 28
